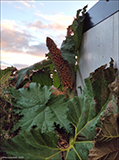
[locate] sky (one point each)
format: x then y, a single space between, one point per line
26 24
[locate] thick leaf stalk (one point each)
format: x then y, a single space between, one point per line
60 64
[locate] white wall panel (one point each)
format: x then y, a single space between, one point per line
99 44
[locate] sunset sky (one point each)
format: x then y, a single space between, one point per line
26 24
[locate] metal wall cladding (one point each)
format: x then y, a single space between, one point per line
99 44
100 11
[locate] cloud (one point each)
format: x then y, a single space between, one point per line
5 63
19 8
34 6
37 49
19 66
26 4
58 18
17 40
56 22
41 4
38 25
9 24
28 0
22 44
14 41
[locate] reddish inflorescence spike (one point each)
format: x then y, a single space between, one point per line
61 65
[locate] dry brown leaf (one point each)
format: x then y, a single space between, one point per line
106 144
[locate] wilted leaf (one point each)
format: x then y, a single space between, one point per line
33 145
107 140
114 87
25 73
100 80
40 108
112 107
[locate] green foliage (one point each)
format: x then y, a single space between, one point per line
42 77
41 111
27 72
33 145
51 126
80 151
85 112
4 74
56 81
68 50
7 116
71 44
5 77
100 80
40 73
40 108
77 27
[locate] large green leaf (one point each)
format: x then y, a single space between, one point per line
40 108
33 145
72 43
42 77
68 50
25 73
77 27
96 95
56 81
80 151
86 110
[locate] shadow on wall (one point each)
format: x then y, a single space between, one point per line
87 23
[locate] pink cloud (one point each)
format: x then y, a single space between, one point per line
26 4
38 25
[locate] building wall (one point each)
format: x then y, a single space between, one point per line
99 44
